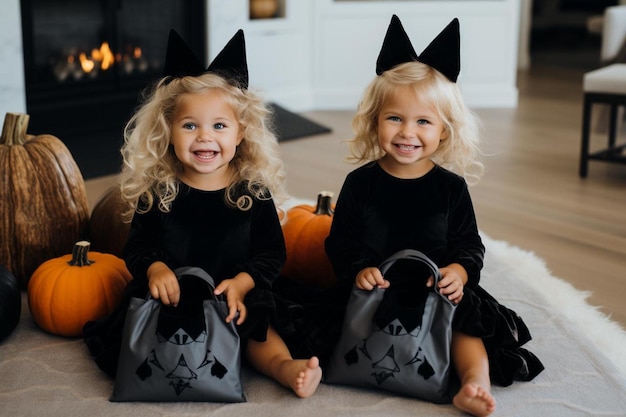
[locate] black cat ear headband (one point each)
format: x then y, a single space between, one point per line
443 53
230 63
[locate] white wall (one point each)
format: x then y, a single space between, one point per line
323 53
12 92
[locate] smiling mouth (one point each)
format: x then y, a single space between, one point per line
205 154
406 147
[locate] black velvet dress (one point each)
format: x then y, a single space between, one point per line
377 215
202 231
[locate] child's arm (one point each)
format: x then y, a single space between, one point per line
465 245
163 283
369 278
236 289
143 247
267 251
453 279
344 245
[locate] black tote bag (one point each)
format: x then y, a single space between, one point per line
165 357
405 355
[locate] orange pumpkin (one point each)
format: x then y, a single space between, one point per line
43 201
107 231
305 230
66 292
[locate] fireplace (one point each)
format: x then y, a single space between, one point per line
86 62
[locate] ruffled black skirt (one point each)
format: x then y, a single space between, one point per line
503 332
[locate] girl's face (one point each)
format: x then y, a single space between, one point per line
205 136
409 132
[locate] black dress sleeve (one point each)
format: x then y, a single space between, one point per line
267 249
344 247
143 246
464 243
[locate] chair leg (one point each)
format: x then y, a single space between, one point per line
613 125
584 151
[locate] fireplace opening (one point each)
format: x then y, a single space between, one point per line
86 63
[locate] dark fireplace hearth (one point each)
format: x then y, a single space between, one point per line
86 62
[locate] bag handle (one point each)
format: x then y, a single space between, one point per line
204 275
415 255
196 272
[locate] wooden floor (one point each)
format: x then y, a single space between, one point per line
530 195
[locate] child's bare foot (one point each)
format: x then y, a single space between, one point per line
475 400
306 375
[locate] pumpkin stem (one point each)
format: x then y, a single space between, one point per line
14 129
79 254
324 207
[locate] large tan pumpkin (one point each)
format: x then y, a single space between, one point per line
43 202
107 231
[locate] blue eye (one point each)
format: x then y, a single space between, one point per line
189 126
219 126
394 118
422 122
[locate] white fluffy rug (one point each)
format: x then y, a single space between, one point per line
563 298
582 351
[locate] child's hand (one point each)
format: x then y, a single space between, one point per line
163 284
369 278
236 289
453 278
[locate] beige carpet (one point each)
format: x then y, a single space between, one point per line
46 375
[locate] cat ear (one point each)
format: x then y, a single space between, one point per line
397 48
444 52
180 60
230 62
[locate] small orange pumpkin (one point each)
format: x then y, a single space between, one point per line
66 292
305 231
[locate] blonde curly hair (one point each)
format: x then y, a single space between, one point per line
151 170
459 152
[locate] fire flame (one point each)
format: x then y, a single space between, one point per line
86 64
108 59
103 56
99 59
